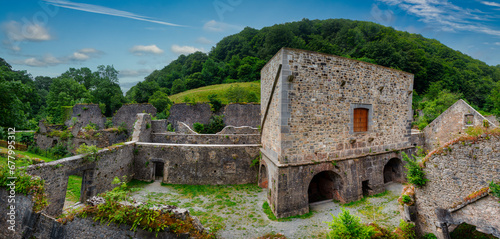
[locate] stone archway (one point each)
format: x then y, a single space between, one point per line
324 186
263 178
393 171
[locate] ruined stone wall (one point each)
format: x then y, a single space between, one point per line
189 114
417 138
242 115
451 124
456 172
126 114
40 225
317 106
104 139
198 164
85 114
170 138
98 175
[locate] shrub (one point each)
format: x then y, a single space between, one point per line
407 230
415 174
429 236
170 128
90 151
122 128
91 126
59 150
199 128
236 94
252 97
406 199
215 124
26 138
108 124
346 226
495 189
215 103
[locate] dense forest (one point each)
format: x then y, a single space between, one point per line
442 75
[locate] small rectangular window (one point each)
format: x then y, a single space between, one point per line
469 119
360 120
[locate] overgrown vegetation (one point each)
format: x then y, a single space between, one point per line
415 174
90 151
25 184
112 211
215 125
495 189
465 230
347 226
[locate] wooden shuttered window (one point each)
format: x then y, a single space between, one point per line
360 120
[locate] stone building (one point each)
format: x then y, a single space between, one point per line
458 176
452 123
332 128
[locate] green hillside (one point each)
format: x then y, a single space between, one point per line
201 94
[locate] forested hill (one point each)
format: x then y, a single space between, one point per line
240 57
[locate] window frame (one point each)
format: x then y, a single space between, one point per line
368 107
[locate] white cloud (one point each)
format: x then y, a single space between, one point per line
47 60
493 4
497 43
445 15
134 73
105 11
141 50
203 40
85 54
17 32
215 26
185 49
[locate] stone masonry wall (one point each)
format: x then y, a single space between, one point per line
126 114
271 137
40 225
460 170
170 138
98 175
85 114
289 184
198 164
317 106
451 124
189 114
242 115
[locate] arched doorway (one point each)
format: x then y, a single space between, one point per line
324 186
393 171
263 179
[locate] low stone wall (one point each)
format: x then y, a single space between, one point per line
417 138
85 114
97 175
239 130
127 114
105 139
242 115
206 138
189 114
451 124
39 225
454 175
197 164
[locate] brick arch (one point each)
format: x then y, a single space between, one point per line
324 185
393 170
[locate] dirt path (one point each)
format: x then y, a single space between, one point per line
238 209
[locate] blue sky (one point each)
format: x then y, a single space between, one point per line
47 37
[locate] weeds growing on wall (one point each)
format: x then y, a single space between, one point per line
415 174
495 189
90 151
137 217
25 184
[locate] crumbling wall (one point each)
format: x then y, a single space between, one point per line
85 114
242 115
98 174
170 138
239 130
198 164
457 174
127 114
451 124
39 225
189 114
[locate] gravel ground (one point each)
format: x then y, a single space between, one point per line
238 211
